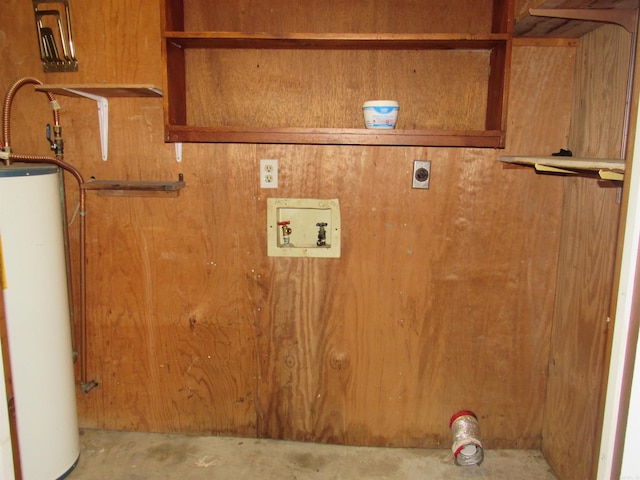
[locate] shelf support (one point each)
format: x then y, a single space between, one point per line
612 175
606 168
103 118
625 17
540 167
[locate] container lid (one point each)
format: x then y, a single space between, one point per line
380 103
27 169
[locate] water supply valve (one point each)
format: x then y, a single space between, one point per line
286 232
56 143
322 234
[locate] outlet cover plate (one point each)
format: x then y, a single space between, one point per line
268 173
303 215
421 174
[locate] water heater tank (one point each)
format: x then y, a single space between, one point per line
36 311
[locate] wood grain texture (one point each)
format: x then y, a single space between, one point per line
415 324
384 16
586 261
194 356
442 299
326 89
605 55
429 310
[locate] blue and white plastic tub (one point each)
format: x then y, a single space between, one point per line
380 113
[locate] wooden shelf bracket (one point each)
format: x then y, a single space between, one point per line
625 17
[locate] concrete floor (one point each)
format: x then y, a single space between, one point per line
133 456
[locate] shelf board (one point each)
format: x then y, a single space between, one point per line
337 136
135 187
334 41
606 168
102 90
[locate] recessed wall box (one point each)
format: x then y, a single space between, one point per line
303 227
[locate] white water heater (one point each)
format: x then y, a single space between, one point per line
36 303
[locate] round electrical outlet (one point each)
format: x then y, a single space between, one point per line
422 174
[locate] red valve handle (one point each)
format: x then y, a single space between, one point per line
286 222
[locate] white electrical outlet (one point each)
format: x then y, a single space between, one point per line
268 173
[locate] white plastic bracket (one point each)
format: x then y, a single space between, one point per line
178 152
103 118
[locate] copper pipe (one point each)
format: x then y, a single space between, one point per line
85 384
56 161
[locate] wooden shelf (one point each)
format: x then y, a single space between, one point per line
341 41
336 136
186 51
605 168
135 187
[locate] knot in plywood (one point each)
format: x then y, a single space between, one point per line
339 360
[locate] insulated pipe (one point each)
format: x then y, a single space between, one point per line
6 110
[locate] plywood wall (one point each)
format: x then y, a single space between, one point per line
587 259
442 299
321 16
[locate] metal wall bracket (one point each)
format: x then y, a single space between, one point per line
103 118
52 33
